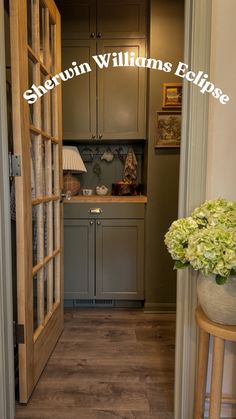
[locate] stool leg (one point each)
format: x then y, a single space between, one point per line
217 378
203 350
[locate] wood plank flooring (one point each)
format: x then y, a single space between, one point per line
108 364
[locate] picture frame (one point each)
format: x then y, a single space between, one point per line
168 133
172 95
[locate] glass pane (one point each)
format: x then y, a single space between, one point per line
31 69
42 100
42 32
54 282
39 210
56 169
52 112
56 227
52 48
46 223
49 294
45 290
35 302
34 236
29 22
54 150
48 167
40 296
32 161
56 279
37 153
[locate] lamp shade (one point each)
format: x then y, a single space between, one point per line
71 160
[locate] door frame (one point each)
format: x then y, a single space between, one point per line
192 191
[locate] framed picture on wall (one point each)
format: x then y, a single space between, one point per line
168 133
172 95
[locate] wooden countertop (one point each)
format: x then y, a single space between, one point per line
139 199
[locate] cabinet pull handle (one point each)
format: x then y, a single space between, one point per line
93 137
91 223
95 211
99 35
98 223
100 136
92 35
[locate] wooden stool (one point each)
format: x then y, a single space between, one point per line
220 333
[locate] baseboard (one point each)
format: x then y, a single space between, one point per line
159 307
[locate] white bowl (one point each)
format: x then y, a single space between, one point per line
101 190
87 192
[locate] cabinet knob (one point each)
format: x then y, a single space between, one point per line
93 137
92 35
91 223
98 223
100 136
99 34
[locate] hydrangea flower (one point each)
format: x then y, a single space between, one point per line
216 212
212 251
176 239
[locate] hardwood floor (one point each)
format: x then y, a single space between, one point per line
108 364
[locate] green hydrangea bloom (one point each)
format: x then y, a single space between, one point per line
212 250
216 212
176 239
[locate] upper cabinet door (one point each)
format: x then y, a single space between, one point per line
121 19
79 19
79 93
122 93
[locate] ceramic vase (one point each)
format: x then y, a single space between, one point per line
217 301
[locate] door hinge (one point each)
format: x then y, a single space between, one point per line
19 333
14 165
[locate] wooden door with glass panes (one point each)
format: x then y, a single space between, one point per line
35 58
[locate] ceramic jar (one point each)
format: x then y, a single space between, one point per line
217 301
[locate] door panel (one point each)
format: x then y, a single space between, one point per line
79 259
122 94
119 267
121 18
79 94
35 57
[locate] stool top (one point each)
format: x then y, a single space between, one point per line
215 329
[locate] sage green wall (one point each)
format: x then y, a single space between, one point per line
166 43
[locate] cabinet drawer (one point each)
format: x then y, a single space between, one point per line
108 210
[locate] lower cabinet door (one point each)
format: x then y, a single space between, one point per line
79 259
119 259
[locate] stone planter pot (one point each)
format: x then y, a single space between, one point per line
217 301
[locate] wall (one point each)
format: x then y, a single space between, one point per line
166 43
221 167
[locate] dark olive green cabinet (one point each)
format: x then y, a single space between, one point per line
107 103
119 259
121 93
103 19
104 257
79 93
79 259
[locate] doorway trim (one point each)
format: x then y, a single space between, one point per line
7 394
192 192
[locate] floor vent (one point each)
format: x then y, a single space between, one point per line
93 303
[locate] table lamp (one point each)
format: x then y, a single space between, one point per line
71 163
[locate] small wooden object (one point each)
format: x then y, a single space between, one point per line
220 333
